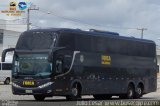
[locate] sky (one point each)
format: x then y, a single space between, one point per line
122 16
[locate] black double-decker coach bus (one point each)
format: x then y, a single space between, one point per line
72 63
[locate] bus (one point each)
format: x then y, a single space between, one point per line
72 62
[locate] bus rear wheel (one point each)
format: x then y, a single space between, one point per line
39 97
130 93
102 96
75 93
139 92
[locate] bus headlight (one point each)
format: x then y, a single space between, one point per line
45 85
15 85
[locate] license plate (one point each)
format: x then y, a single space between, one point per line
28 83
28 91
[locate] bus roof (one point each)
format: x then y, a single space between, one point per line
92 33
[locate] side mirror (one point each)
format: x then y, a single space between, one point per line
5 52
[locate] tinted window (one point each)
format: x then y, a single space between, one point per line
36 40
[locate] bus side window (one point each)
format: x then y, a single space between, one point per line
59 66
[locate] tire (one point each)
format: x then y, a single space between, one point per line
130 93
7 81
139 92
39 97
75 93
102 97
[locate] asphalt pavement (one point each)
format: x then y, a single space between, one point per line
8 99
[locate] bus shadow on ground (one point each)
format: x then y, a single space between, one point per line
90 99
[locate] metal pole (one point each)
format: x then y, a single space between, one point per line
32 7
28 17
142 31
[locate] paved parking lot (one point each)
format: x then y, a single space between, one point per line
6 94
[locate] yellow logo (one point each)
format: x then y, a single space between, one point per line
28 82
13 6
105 59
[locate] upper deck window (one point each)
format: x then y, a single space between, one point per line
36 40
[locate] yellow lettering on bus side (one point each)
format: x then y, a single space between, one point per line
106 60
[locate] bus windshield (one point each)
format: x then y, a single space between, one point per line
32 64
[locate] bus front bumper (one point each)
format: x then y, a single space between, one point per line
45 89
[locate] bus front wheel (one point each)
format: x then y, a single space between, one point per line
39 97
75 92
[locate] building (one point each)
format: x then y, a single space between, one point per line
9 33
158 56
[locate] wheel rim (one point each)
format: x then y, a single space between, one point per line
74 91
139 90
130 93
